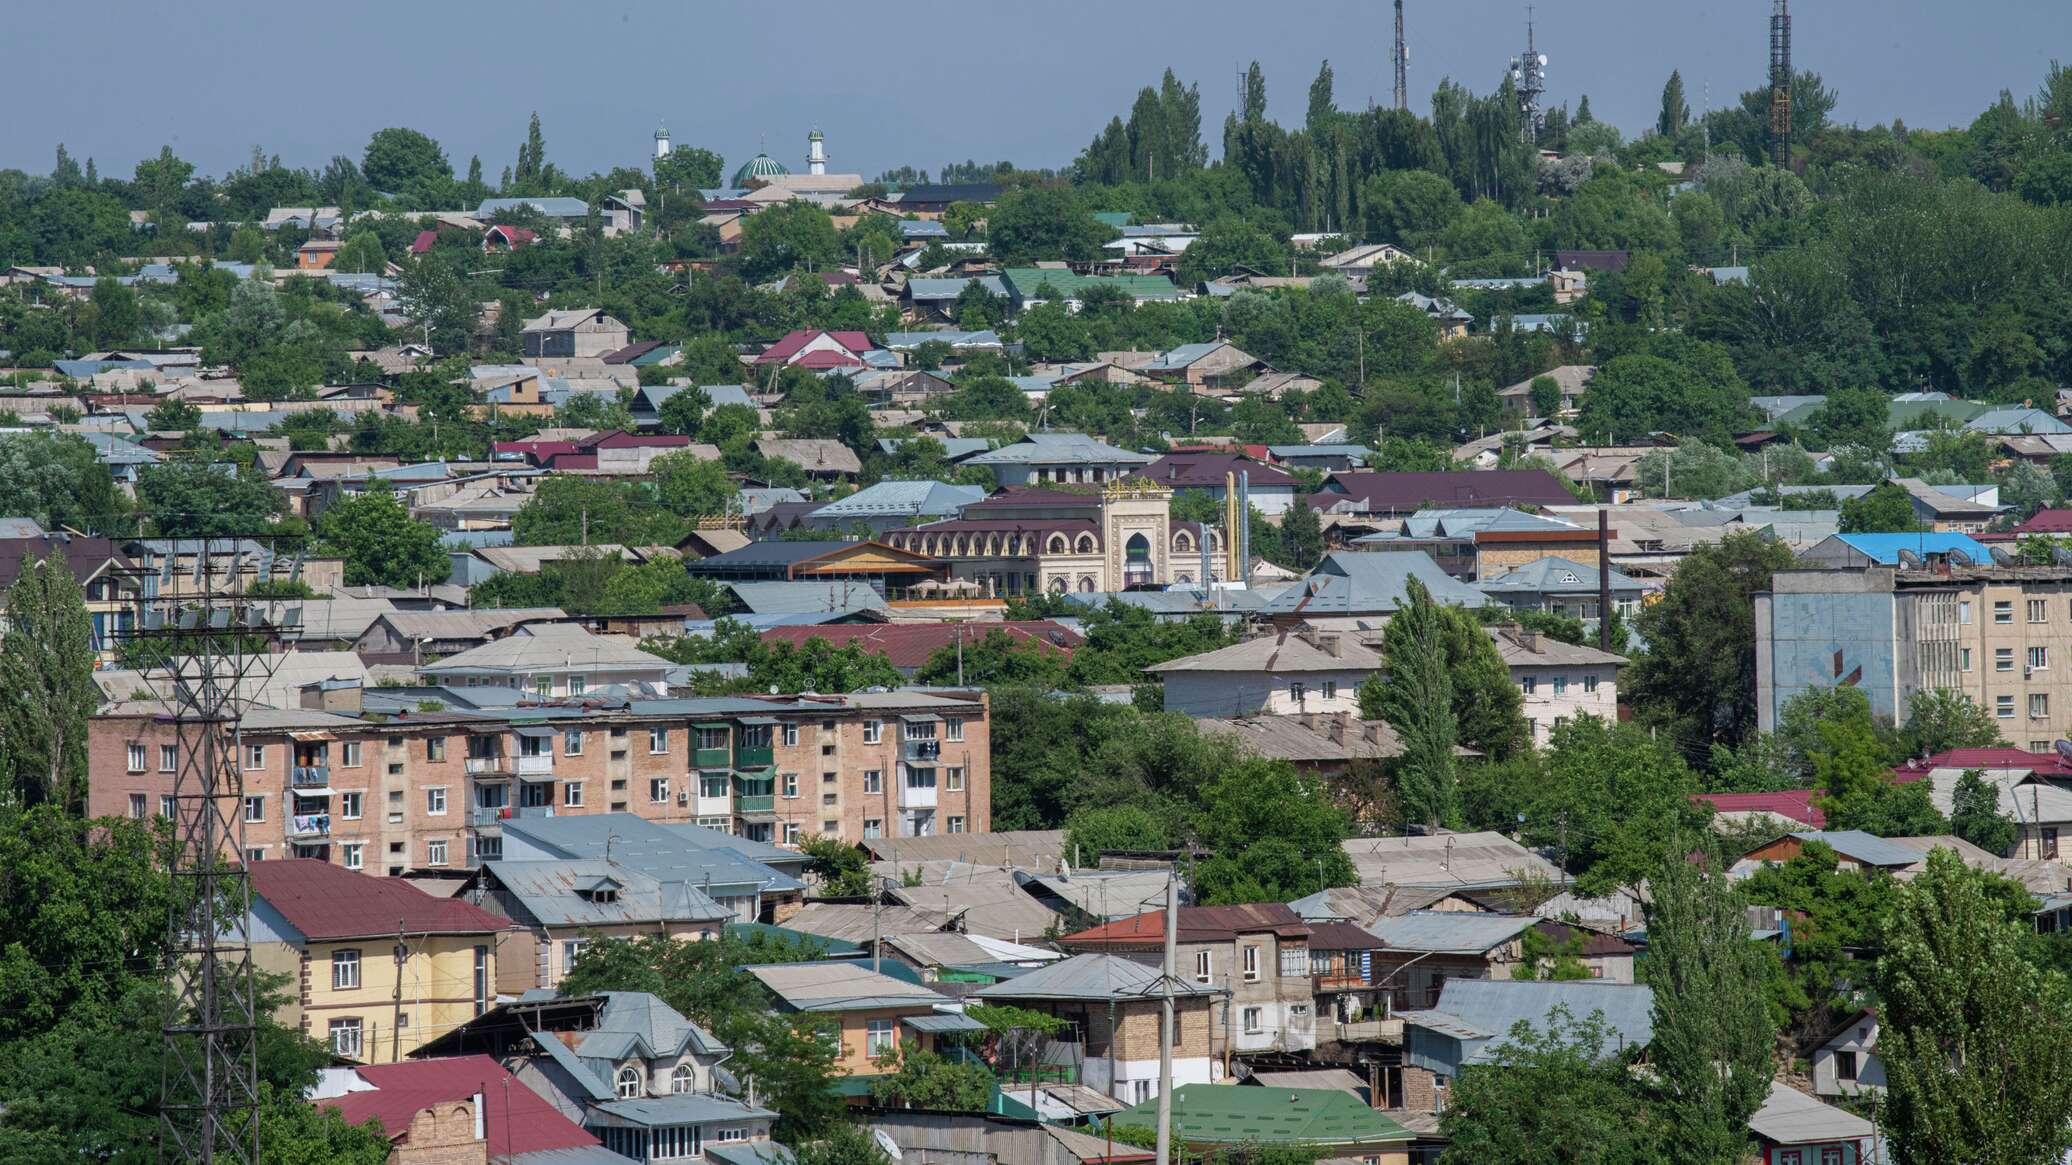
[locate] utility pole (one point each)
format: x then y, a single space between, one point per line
1166 1022
396 1001
1604 580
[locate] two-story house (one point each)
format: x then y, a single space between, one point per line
573 901
581 334
1255 955
1287 673
1112 1007
873 1014
1559 681
1425 950
377 966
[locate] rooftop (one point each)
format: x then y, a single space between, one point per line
1088 978
1220 1114
322 901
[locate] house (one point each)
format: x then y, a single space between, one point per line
552 659
1029 286
1590 260
1213 1118
646 405
416 635
909 647
1561 586
1273 491
1483 542
504 237
1400 494
579 334
1349 590
623 212
1256 956
625 1065
1571 379
114 584
1792 1128
1453 323
566 904
754 880
317 254
888 505
1853 850
1326 744
1335 457
559 211
1113 1005
1474 1018
1447 861
1846 1063
1560 681
821 458
928 298
1216 364
456 1110
1059 457
1288 673
874 1013
962 342
336 932
813 348
1856 551
834 576
1737 811
1431 948
1366 257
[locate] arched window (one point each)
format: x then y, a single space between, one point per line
1057 544
629 1083
1183 543
1086 584
1185 580
1057 586
682 1080
1087 545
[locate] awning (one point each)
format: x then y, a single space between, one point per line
312 737
922 718
719 724
536 731
943 1022
761 817
759 720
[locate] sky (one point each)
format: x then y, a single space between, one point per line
920 83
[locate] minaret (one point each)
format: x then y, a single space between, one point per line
816 153
661 143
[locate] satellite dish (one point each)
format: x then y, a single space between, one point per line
886 1143
2064 748
1543 60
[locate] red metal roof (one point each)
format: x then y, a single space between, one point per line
2046 522
908 645
1407 492
1197 924
326 902
2006 759
423 242
1199 470
783 351
1791 804
621 439
512 236
515 1119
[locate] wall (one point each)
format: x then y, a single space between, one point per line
442 1134
1226 694
436 991
1841 633
1544 708
1862 1039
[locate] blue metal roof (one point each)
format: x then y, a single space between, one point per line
549 207
1884 548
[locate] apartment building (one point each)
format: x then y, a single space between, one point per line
433 790
2002 636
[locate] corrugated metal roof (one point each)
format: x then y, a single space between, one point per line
1088 977
1450 931
1223 1115
683 1108
1487 1009
550 892
842 986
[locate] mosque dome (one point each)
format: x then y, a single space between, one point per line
762 167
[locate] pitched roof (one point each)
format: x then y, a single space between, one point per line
1408 492
1090 978
811 453
550 646
1025 282
1455 860
1487 1009
795 341
1355 583
842 986
1455 932
908 646
1308 739
1207 470
1060 448
795 597
901 499
323 901
1790 1117
1219 1114
517 1120
1790 804
1856 845
1029 849
1196 924
670 853
1553 575
1286 652
559 893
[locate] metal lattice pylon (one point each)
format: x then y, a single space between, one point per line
209 1079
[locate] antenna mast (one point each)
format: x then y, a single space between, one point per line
1402 62
1529 77
1780 83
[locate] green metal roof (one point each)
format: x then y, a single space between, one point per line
826 946
1228 1114
1899 414
1114 218
1025 280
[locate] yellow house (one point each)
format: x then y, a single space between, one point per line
877 1012
375 966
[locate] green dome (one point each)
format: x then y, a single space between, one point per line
762 166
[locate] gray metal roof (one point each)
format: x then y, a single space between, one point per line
1059 448
1487 1009
549 891
943 289
548 207
805 598
683 1108
746 1153
842 986
693 855
954 337
1554 575
1091 977
1866 848
1790 1117
1450 931
1356 583
902 499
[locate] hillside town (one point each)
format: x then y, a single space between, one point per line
1465 638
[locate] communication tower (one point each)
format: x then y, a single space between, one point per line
1780 82
1529 78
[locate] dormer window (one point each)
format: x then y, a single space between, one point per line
629 1083
682 1080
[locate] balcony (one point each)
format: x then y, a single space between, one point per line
763 803
308 777
922 751
536 765
757 757
309 825
721 805
755 793
916 796
480 817
712 758
496 764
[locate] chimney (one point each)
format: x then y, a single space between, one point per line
1529 640
1333 645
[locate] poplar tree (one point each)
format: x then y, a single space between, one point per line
1415 697
1676 112
46 686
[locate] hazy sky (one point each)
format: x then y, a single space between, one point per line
919 83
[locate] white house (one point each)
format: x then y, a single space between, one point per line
1847 1063
1285 674
1560 681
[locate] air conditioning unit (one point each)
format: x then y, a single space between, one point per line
684 797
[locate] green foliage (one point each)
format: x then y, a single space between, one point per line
1552 1093
814 667
788 236
1608 799
46 686
1542 957
381 543
1834 915
1045 222
1976 1041
1942 719
838 1142
1415 695
1103 829
1975 815
409 165
1635 395
1275 832
837 867
188 499
572 511
59 480
1855 773
912 1078
1887 509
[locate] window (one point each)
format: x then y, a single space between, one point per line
791 735
395 770
1964 659
956 824
873 731
168 758
481 979
658 789
349 754
658 740
2039 706
1526 684
1251 963
682 1080
577 685
166 804
1328 689
2039 658
629 1083
138 806
873 781
350 805
920 778
1295 690
435 800
2003 659
571 950
1204 966
1589 685
1560 685
255 808
345 970
879 1038
255 853
791 785
543 685
136 757
1252 1022
873 827
2003 707
830 827
2050 842
1142 1090
435 748
345 1036
2037 613
828 799
827 750
2003 611
435 852
953 728
572 743
1845 1065
572 794
355 854
710 738
255 756
828 778
1964 612
791 833
953 779
1294 962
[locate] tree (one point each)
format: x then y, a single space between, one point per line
1410 207
837 867
839 1142
1976 1040
203 499
437 301
786 237
1227 244
1855 775
690 168
683 411
1044 222
1714 1035
1302 538
1857 417
173 415
1104 829
115 315
406 163
361 252
1549 1095
1676 112
58 479
1415 696
1975 815
929 1081
1635 395
1545 395
1276 834
381 543
1886 509
1697 678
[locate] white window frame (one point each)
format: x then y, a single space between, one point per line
873 780
352 806
572 794
354 854
255 807
137 756
873 731
1250 957
349 754
880 1038
345 969
1252 1019
658 741
347 1036
435 851
1204 967
953 728
572 742
626 1083
255 757
168 757
435 801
